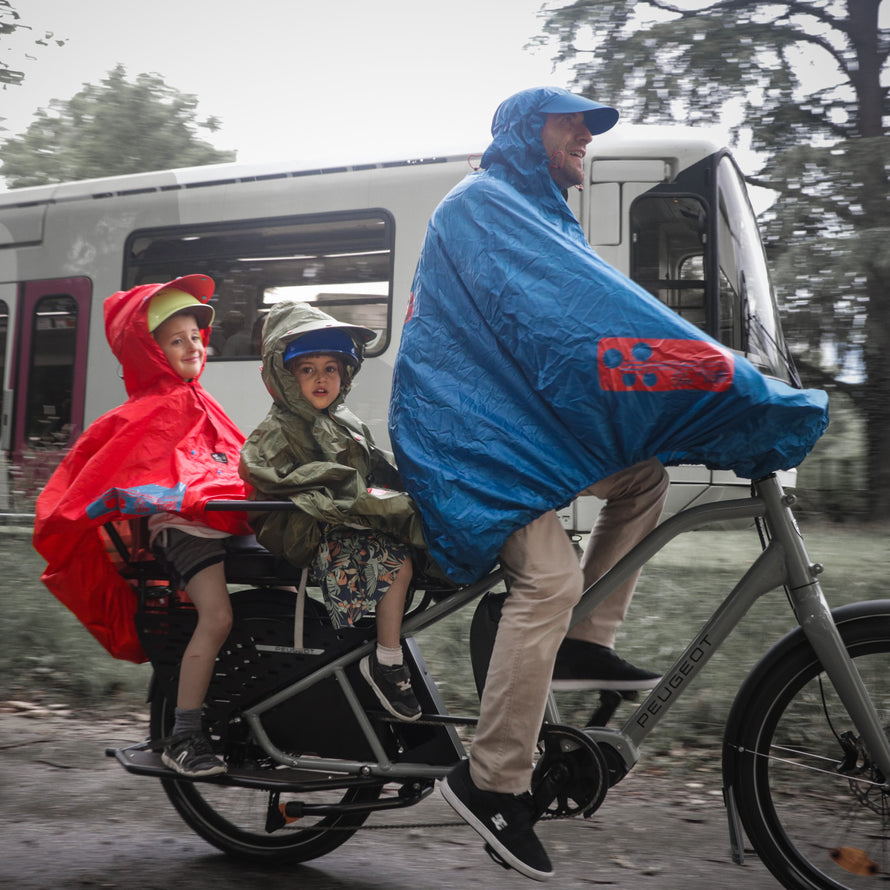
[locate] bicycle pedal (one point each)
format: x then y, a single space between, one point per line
288 819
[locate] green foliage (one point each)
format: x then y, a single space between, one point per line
804 78
45 652
110 129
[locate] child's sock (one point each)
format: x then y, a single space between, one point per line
187 720
389 657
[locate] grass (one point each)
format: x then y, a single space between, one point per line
46 654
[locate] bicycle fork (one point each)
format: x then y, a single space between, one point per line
812 612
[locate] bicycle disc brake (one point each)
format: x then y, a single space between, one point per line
570 776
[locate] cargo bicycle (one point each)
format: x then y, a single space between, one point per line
310 754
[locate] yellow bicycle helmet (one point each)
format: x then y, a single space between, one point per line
170 300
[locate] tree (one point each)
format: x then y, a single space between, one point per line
114 128
9 24
805 78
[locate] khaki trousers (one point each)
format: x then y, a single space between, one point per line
546 582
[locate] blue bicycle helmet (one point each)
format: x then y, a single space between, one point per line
330 341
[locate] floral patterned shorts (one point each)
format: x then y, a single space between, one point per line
354 569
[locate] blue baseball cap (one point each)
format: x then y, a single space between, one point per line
597 117
330 341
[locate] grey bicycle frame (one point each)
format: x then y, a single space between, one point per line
784 562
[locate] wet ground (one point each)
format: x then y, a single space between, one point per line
72 818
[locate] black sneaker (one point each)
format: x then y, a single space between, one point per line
504 821
583 665
392 685
191 754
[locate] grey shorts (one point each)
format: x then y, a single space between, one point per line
185 555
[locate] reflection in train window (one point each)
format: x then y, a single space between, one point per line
341 262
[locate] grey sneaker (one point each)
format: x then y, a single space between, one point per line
392 686
504 821
191 754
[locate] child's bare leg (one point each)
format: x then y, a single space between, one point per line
385 670
188 750
391 608
207 590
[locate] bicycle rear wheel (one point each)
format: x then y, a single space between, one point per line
235 819
814 807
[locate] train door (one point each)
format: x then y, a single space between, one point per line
7 303
47 378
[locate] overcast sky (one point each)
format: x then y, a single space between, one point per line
297 78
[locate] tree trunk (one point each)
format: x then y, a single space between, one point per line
866 79
876 399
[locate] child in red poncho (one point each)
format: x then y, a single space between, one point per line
163 453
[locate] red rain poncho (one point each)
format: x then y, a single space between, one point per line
169 448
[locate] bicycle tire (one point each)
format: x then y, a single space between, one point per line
234 818
813 826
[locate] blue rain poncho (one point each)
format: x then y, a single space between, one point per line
529 368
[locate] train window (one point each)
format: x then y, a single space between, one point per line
51 373
668 235
748 316
342 262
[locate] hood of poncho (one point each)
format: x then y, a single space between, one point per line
287 321
144 365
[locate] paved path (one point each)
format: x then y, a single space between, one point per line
71 818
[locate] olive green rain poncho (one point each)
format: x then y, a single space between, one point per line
325 461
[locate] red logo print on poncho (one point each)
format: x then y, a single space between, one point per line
629 364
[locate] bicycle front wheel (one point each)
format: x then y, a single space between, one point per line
813 805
